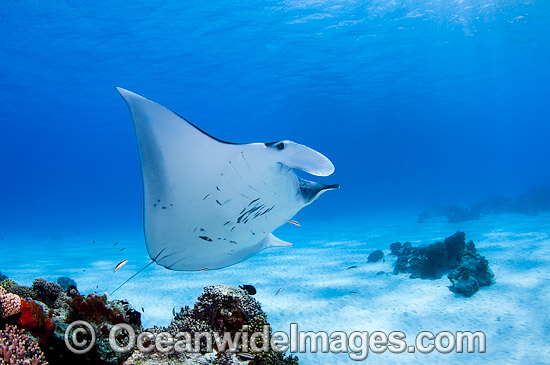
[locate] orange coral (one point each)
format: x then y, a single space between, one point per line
34 320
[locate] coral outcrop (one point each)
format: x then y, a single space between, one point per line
35 319
66 283
46 310
10 304
218 309
7 284
535 201
49 293
375 256
470 271
102 314
16 347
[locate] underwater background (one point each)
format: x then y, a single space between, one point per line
419 104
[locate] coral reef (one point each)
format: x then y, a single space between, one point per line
10 304
34 319
470 271
456 214
93 308
535 201
49 293
455 245
375 256
102 313
66 283
45 311
218 309
7 284
24 292
16 347
395 248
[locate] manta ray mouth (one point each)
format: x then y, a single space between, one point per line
311 190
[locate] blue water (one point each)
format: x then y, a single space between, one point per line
414 102
417 103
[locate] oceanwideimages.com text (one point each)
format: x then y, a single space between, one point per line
358 344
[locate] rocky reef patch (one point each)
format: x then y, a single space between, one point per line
219 310
16 347
34 319
531 203
375 256
466 269
45 310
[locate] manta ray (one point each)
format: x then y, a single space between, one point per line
207 203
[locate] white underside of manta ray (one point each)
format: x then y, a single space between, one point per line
210 203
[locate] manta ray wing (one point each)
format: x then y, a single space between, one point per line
210 203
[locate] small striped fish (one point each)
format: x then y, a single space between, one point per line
120 264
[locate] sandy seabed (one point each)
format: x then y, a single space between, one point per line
319 294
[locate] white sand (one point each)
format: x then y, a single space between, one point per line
514 313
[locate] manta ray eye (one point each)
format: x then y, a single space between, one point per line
277 145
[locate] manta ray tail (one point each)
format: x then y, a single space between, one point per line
133 276
137 273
